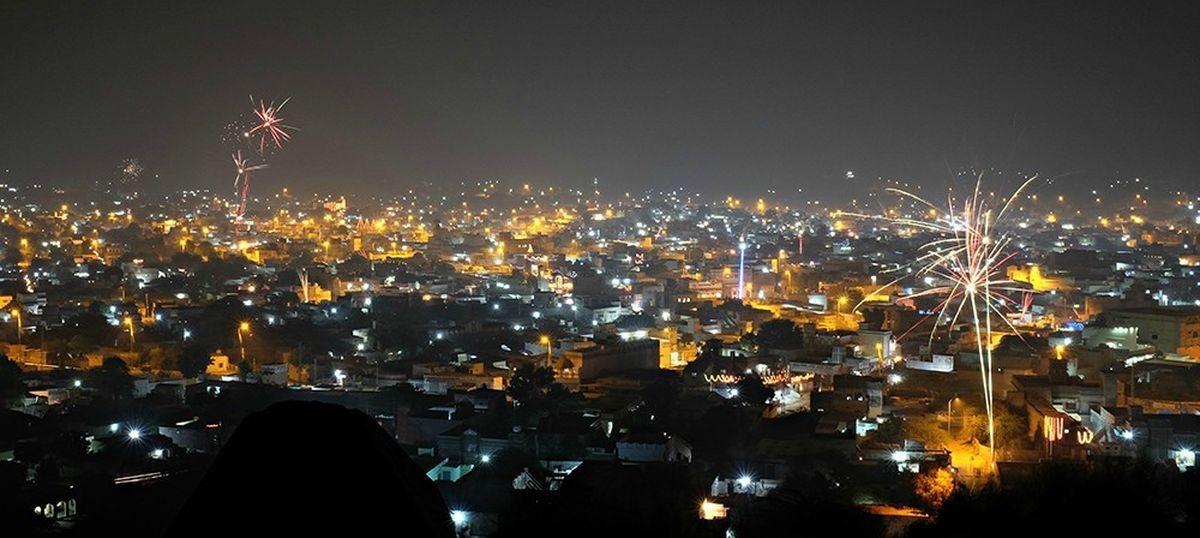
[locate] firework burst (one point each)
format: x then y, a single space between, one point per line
262 131
131 170
268 128
969 257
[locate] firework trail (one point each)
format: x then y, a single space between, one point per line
242 179
262 131
969 256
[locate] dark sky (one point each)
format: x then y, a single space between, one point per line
724 97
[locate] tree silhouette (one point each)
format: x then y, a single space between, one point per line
194 360
534 388
112 379
11 386
780 334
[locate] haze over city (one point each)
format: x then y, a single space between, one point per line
720 98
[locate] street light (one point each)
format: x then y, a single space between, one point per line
949 412
129 323
16 313
841 302
545 341
242 327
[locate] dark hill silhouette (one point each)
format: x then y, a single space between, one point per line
307 468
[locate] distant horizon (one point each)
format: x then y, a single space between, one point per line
720 99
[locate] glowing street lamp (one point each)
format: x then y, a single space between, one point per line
545 341
16 313
744 484
950 411
242 327
129 323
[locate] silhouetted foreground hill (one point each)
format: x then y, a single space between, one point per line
302 468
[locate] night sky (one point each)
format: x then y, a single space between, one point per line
734 97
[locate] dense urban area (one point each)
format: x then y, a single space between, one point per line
654 363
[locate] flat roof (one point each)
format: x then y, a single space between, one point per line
1165 311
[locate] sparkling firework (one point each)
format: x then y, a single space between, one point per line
268 127
131 170
969 257
241 182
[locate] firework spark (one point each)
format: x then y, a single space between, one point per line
268 127
969 256
131 170
241 182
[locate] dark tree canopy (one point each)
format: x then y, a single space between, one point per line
534 388
780 334
11 386
112 379
194 360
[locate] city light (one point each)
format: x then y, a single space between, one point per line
710 510
805 236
